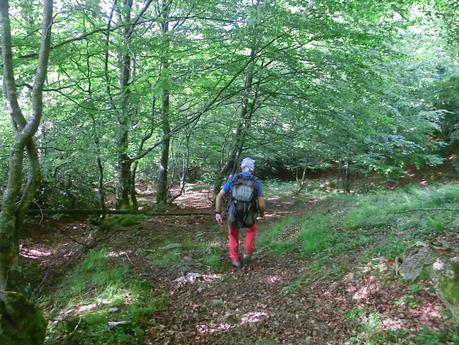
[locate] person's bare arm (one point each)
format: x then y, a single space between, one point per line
261 206
218 207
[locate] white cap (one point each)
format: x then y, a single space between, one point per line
248 163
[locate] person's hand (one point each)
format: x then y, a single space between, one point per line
218 218
261 215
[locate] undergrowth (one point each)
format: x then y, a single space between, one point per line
101 302
379 224
385 223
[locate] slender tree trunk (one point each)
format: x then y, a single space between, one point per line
19 193
300 182
11 216
99 164
185 164
345 174
161 195
248 102
124 161
133 192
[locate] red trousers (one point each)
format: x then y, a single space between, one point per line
233 241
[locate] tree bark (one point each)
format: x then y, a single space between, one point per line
124 161
12 213
345 174
19 193
248 102
161 195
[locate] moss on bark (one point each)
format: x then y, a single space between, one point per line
21 322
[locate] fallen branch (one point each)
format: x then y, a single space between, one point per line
91 211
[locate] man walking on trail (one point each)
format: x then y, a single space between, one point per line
246 201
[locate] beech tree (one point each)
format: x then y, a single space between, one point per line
20 187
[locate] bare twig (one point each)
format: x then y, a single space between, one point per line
41 212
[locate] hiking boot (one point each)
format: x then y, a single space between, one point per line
247 258
236 263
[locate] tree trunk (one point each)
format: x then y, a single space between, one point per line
133 192
344 175
161 195
248 102
100 187
124 161
29 325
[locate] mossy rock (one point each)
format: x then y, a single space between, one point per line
21 322
447 282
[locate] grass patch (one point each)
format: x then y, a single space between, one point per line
96 273
127 220
214 261
390 247
269 238
315 234
98 291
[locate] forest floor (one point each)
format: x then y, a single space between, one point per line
167 280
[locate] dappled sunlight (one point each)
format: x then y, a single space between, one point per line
391 324
386 304
277 214
117 254
212 328
33 253
274 279
273 198
85 308
247 318
194 197
192 277
426 312
102 302
371 286
253 317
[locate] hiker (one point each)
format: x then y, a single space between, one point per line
246 201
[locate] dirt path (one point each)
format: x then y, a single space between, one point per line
272 300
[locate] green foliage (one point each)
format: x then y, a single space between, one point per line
378 85
435 337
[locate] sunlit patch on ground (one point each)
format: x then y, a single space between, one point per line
34 253
85 308
118 254
212 328
191 278
194 197
247 318
253 317
391 324
395 304
370 287
426 312
274 279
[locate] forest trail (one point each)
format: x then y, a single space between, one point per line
285 299
275 299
